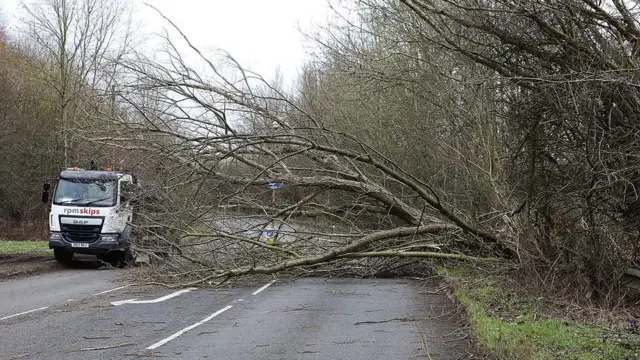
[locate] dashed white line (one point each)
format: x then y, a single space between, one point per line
24 313
153 301
262 288
112 290
188 328
208 318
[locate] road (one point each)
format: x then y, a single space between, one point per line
49 289
314 318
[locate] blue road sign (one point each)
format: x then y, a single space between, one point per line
274 185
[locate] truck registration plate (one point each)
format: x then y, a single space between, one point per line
79 245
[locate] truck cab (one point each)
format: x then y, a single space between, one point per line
91 214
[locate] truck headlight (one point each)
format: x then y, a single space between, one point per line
109 238
55 236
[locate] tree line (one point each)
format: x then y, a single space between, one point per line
475 129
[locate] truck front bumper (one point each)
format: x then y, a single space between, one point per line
105 243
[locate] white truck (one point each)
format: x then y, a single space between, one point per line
91 214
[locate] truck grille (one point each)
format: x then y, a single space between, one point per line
81 233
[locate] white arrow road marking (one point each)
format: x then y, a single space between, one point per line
208 318
262 288
24 313
153 301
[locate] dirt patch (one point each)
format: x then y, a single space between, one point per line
20 266
17 266
22 258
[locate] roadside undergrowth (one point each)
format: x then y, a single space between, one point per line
513 322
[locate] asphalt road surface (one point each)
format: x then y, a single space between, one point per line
45 290
85 314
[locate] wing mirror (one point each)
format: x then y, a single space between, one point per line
45 192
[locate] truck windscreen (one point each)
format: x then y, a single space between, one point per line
86 192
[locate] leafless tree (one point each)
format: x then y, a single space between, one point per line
341 199
56 74
569 70
504 127
81 44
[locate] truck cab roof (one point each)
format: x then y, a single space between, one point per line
90 174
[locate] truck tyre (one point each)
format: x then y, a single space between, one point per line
129 258
63 256
123 259
103 258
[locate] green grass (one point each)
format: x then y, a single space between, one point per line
24 248
512 326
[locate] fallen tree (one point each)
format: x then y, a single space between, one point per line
222 136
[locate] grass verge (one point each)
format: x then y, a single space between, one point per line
16 248
512 324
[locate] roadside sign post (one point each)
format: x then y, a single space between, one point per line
274 186
271 236
271 231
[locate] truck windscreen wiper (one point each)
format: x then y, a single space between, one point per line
67 202
97 200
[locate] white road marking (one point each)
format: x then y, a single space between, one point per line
112 290
166 340
262 288
153 301
24 313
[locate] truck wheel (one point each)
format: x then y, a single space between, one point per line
63 256
124 259
102 257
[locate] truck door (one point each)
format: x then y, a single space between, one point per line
125 207
125 193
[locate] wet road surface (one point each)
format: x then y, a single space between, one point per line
315 318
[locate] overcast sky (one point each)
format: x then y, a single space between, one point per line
261 34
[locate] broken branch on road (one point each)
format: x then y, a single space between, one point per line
422 254
106 347
386 321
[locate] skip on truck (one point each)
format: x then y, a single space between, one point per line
91 213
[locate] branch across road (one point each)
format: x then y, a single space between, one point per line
308 318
